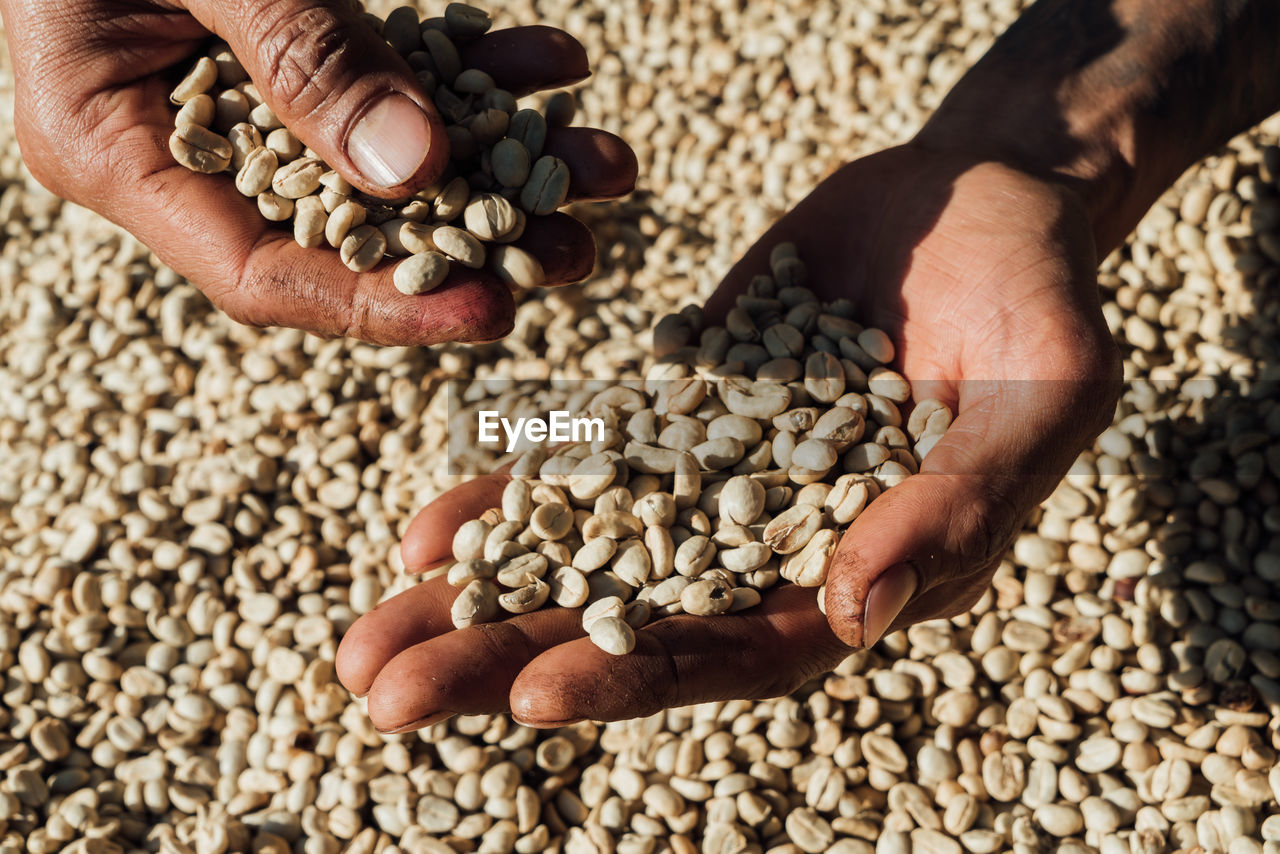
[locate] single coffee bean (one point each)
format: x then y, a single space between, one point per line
466 22
529 128
344 217
199 79
560 109
297 179
200 149
198 111
547 186
363 248
613 635
273 207
510 162
514 266
258 170
309 221
489 216
459 245
420 273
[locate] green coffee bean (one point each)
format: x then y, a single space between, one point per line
515 266
230 71
443 54
560 109
459 245
488 126
510 162
309 220
274 207
199 79
613 635
344 217
473 81
529 128
421 273
200 149
363 248
230 108
198 111
452 200
286 146
547 187
401 30
466 22
256 174
299 178
489 216
477 603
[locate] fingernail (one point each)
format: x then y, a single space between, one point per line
536 724
889 594
420 723
390 141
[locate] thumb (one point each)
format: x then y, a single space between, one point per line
339 86
924 549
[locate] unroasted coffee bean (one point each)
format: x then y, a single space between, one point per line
200 149
459 246
515 266
421 273
363 248
547 186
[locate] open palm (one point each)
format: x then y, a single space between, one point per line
984 278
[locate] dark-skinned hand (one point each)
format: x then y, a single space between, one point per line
983 276
93 118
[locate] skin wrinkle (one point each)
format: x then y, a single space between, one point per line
304 52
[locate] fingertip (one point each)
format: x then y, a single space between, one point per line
356 662
528 710
525 59
417 553
602 165
428 541
472 306
546 695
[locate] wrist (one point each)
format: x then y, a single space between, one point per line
1033 126
1113 99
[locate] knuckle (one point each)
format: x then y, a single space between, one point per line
301 50
982 529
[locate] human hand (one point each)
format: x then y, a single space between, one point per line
984 278
93 119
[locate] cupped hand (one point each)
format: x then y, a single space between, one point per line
93 118
984 277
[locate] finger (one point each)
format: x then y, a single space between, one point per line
526 59
467 671
601 165
428 541
563 246
1010 444
339 86
765 652
283 284
403 621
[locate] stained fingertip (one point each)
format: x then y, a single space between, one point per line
471 306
